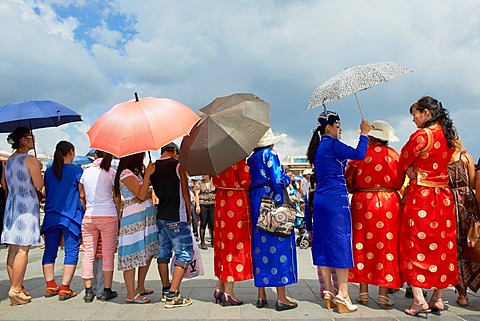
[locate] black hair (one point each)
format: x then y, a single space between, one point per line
315 141
375 139
15 137
61 150
168 149
440 115
132 162
107 158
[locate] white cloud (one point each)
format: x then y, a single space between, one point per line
195 51
105 36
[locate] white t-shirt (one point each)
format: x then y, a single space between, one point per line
98 185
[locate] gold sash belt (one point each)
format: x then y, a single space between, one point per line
377 189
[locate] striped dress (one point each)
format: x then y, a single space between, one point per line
138 239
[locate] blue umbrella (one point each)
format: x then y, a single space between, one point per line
77 160
91 152
35 114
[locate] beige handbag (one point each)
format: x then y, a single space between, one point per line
276 220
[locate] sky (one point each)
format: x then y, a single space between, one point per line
90 55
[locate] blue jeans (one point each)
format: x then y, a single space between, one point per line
175 237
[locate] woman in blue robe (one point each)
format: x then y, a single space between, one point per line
332 225
274 258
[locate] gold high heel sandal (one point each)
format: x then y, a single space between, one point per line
329 298
361 298
385 302
344 306
26 293
419 309
17 297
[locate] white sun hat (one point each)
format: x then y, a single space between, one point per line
269 138
383 131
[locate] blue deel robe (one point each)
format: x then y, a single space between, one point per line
274 258
332 221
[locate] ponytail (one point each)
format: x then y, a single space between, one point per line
312 147
61 150
106 162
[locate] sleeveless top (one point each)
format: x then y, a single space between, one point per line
21 224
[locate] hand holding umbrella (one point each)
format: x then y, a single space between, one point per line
365 127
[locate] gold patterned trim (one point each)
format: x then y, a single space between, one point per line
378 189
427 148
232 188
422 180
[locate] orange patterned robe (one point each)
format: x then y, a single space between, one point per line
232 232
376 216
428 249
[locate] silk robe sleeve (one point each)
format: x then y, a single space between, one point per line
278 179
343 151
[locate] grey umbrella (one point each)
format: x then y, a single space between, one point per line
354 79
229 130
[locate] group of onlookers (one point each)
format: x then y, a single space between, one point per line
407 220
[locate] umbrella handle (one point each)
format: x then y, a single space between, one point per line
359 107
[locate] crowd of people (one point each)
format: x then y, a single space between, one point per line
375 217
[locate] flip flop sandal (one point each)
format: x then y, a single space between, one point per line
146 292
142 301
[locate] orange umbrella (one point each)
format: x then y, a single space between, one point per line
140 125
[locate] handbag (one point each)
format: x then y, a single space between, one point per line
472 250
276 220
195 267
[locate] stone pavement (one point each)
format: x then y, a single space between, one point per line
200 289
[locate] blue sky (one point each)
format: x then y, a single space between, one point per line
91 55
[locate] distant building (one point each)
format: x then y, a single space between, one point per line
296 163
44 159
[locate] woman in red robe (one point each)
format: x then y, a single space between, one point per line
376 215
428 250
232 247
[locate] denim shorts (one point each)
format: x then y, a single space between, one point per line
175 237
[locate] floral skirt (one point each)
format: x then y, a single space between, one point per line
138 239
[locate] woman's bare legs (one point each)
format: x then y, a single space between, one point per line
419 302
282 296
228 286
142 275
436 300
17 260
129 278
342 278
262 295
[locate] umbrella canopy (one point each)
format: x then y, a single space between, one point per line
35 114
229 130
140 125
354 79
91 152
77 160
